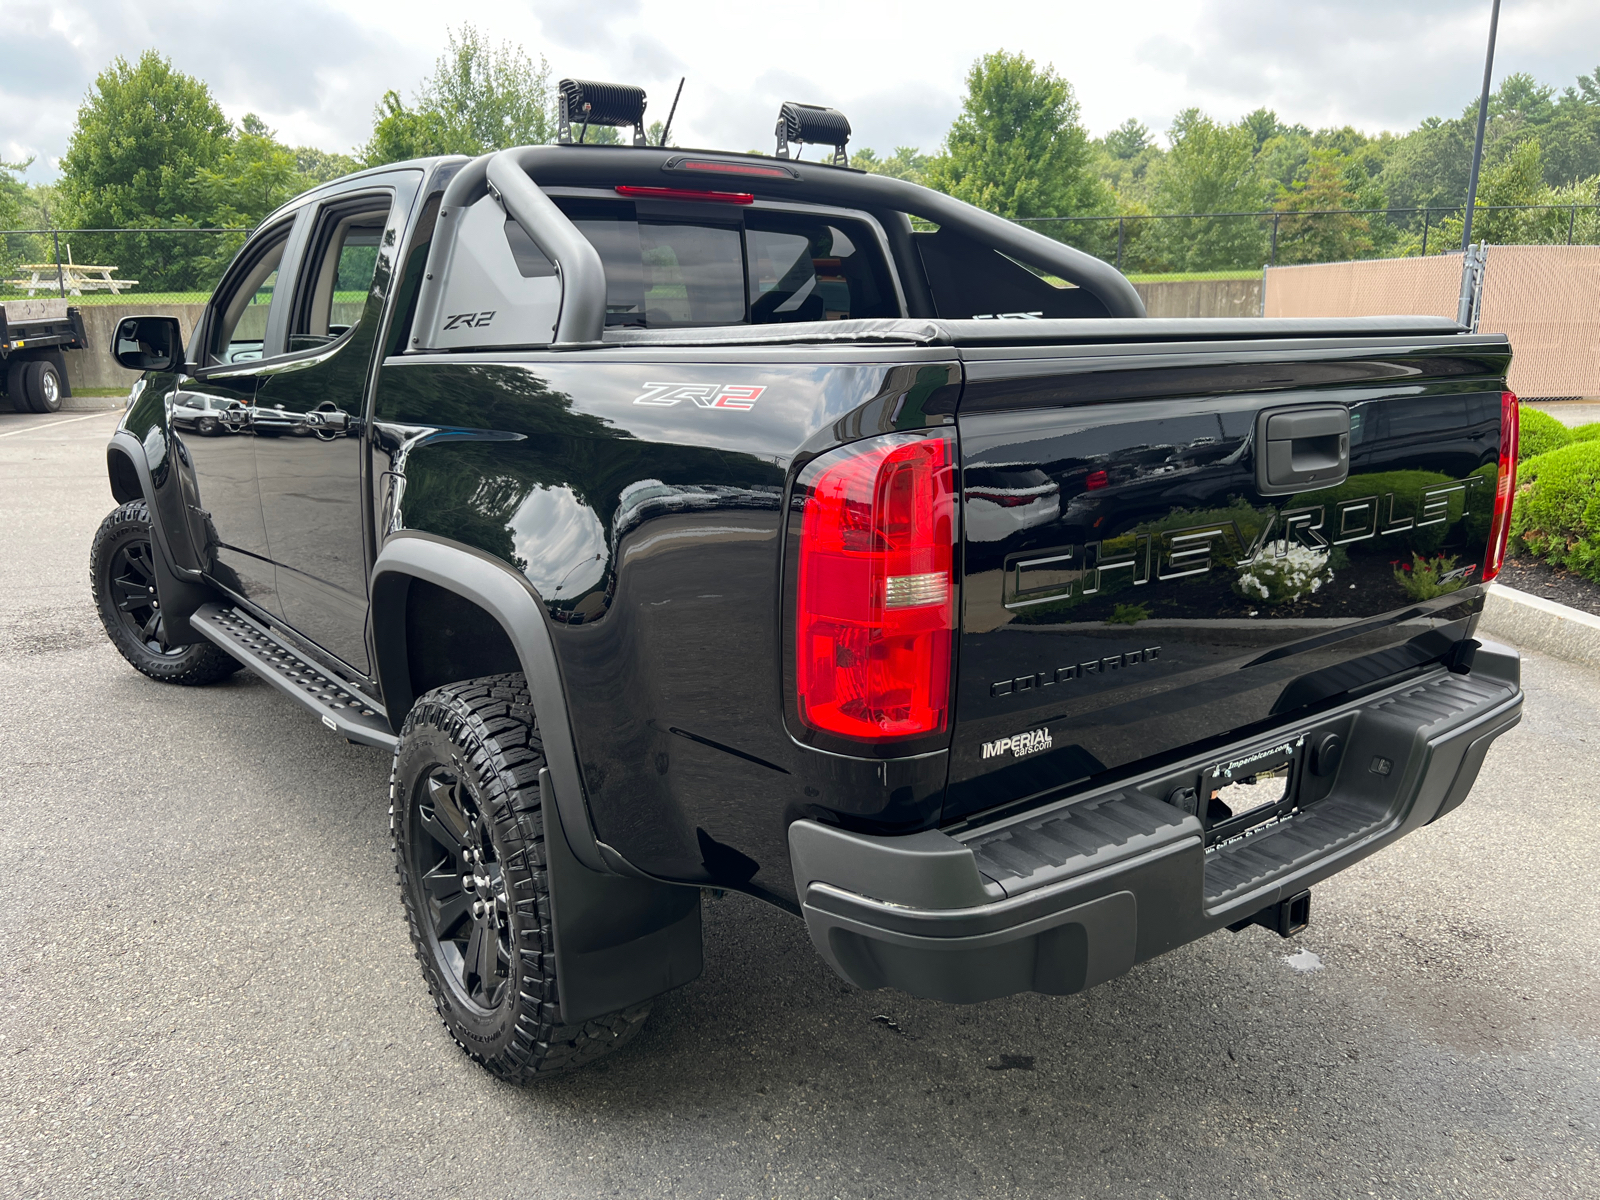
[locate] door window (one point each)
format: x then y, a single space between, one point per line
239 323
339 270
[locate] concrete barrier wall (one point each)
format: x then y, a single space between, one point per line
95 368
1202 298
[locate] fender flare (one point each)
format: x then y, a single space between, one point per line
181 592
620 936
507 596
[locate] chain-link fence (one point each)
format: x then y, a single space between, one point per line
1198 243
110 266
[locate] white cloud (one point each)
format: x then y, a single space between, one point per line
314 69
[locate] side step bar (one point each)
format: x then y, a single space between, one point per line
338 705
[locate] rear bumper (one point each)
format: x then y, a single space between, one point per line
1060 898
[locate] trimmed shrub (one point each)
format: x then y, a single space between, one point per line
1586 433
1557 513
1541 433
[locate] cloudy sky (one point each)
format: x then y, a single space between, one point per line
314 69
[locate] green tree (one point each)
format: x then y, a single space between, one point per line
255 174
481 96
1326 237
1018 148
907 162
142 137
1211 168
322 166
13 193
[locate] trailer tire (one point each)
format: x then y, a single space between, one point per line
16 369
43 386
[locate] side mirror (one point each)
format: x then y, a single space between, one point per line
148 344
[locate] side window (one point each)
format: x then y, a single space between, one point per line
969 279
239 313
814 269
340 262
663 272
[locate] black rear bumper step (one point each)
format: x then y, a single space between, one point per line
338 705
1060 899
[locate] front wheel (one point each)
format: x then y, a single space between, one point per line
469 849
122 573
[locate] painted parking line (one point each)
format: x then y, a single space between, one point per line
35 428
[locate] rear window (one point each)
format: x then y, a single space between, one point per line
665 271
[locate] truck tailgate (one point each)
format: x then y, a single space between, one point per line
1134 587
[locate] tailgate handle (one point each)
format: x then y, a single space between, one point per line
1302 449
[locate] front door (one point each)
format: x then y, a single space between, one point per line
309 420
210 416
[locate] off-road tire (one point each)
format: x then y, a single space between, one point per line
121 560
43 386
479 743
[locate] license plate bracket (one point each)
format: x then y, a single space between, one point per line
1240 795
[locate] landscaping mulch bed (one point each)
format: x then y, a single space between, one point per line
1539 578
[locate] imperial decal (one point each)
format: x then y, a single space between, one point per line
1019 744
703 395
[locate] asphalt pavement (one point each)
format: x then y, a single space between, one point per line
206 987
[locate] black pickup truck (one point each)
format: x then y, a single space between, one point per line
686 520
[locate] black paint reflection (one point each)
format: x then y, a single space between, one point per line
1168 600
651 533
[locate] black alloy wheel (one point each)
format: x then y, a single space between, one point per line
122 572
453 858
205 426
469 846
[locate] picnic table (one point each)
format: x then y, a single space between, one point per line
77 278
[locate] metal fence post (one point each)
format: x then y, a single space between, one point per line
1427 214
1572 216
1273 260
1122 221
61 283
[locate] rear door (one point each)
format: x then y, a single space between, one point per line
1131 587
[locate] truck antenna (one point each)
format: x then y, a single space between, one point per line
672 112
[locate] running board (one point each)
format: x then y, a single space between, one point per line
339 706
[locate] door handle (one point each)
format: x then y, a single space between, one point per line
1302 449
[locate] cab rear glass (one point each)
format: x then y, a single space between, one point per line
679 268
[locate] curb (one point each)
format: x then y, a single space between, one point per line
92 403
1539 624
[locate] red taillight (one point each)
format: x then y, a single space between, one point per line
658 193
875 606
1095 480
1505 487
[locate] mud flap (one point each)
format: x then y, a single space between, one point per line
618 940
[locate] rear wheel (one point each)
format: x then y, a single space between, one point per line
43 386
122 573
469 849
16 371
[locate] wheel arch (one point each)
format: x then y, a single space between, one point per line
471 577
181 592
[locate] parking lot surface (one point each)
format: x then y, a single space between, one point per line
206 987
